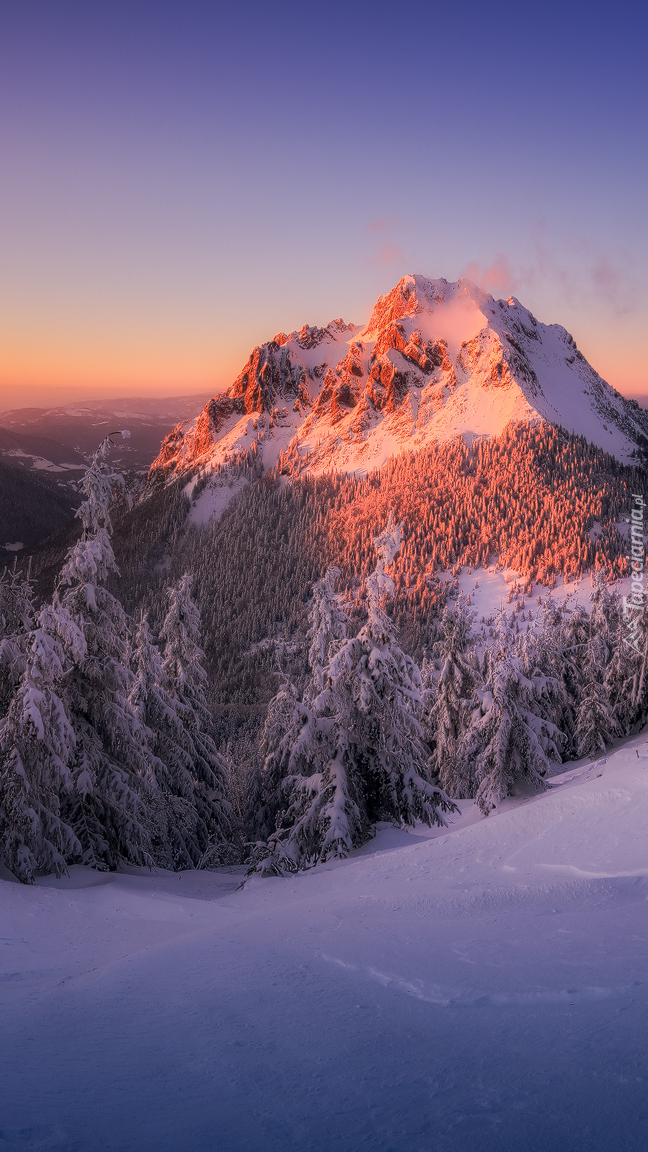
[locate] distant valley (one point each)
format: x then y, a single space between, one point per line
44 451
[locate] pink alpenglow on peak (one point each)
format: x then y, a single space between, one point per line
436 360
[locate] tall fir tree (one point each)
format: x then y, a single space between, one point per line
449 693
543 663
178 836
353 753
595 722
185 682
574 634
113 781
626 676
509 743
37 745
328 625
16 624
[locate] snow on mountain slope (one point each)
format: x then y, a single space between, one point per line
480 986
436 360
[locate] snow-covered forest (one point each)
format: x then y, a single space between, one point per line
535 500
106 744
133 733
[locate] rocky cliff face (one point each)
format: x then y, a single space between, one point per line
436 360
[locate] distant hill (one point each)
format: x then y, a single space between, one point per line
81 427
26 450
32 506
44 451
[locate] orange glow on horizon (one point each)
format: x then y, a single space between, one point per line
61 356
43 380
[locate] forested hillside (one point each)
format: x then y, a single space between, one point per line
346 680
535 500
32 505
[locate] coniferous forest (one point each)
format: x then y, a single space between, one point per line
266 687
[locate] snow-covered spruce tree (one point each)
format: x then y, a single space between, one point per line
185 681
37 743
603 614
541 652
288 719
448 694
574 638
353 753
509 742
328 624
242 763
595 720
640 679
595 725
284 721
626 676
178 836
16 623
113 781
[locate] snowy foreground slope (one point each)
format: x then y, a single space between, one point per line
483 987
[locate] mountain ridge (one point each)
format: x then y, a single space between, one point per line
435 360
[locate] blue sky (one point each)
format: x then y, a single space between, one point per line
181 180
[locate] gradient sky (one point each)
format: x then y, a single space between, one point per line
179 181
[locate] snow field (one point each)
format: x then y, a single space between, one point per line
482 986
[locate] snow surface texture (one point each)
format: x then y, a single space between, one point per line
492 590
40 463
436 360
483 986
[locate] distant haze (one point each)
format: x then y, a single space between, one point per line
50 396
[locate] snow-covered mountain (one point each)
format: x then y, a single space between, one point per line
436 360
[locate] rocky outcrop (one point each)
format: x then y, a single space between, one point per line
425 355
408 297
267 375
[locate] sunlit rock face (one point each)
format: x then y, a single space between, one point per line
436 360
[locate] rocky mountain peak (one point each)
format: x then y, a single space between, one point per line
437 359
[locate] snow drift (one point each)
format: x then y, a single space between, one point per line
483 985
